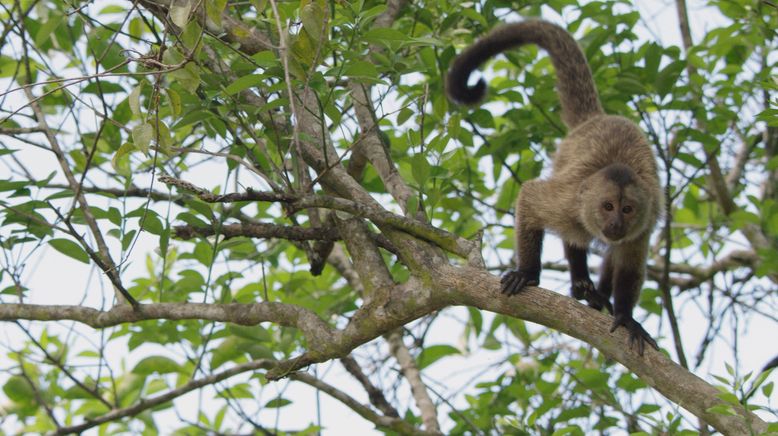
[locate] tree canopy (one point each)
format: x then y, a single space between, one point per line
204 202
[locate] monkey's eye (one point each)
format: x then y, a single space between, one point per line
627 209
607 206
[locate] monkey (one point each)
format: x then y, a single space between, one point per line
603 186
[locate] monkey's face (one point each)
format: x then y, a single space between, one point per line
613 211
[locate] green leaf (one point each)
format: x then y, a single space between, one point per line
645 409
577 412
569 430
47 30
141 136
245 82
254 333
266 59
213 12
477 319
313 18
767 389
204 253
8 185
120 160
179 12
152 224
361 69
277 403
420 169
164 138
103 87
385 35
729 397
653 58
112 9
240 390
404 115
433 353
18 390
593 378
8 66
188 77
175 101
158 364
630 86
191 37
668 77
134 99
722 409
70 249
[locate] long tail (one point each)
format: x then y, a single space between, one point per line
575 84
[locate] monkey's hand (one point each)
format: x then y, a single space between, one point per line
514 281
637 334
582 288
598 300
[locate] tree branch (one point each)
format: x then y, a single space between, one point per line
145 404
261 230
448 241
448 286
429 413
316 331
375 395
471 287
399 425
20 130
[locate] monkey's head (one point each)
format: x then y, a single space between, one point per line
615 206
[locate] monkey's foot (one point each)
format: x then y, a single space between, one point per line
637 334
582 288
597 300
514 281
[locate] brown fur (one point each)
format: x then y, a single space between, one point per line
604 183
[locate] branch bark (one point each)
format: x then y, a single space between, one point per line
449 286
315 330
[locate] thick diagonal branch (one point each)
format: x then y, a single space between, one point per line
446 286
472 287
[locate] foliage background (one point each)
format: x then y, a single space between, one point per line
212 110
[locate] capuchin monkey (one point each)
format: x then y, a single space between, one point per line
604 183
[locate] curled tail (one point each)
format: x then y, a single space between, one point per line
575 84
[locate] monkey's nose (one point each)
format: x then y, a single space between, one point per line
614 233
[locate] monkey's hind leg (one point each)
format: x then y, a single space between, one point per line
529 242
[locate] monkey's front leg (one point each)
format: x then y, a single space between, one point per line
582 287
529 243
627 281
581 283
